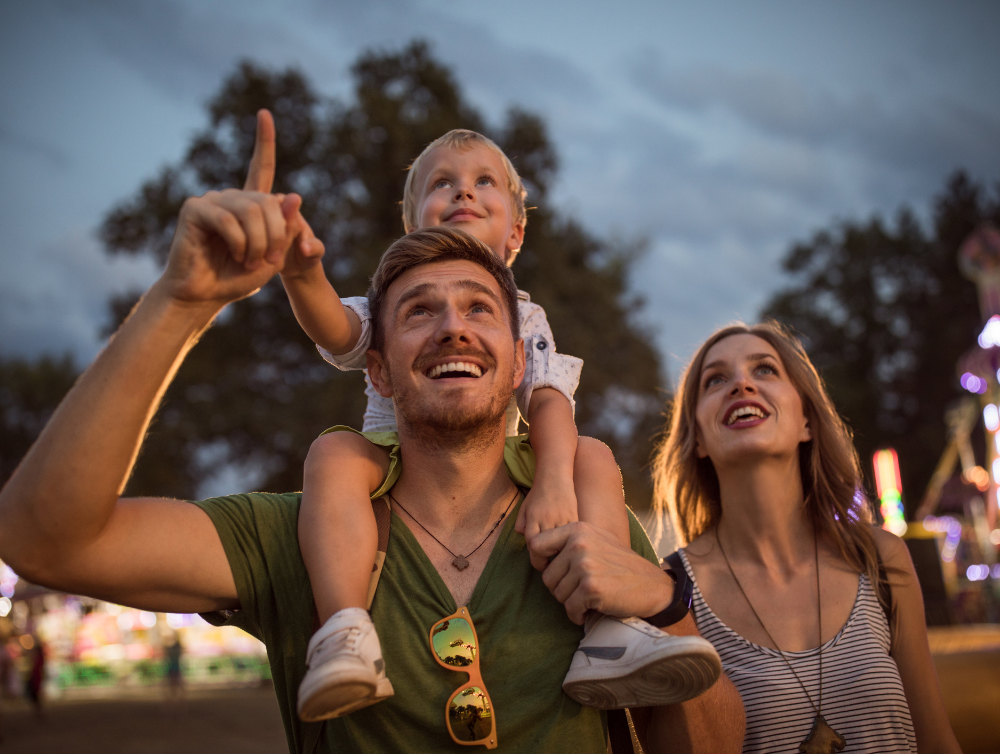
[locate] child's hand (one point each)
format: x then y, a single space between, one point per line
306 252
545 508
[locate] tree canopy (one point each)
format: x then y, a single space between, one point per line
255 393
885 315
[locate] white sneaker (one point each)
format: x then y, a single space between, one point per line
629 663
345 668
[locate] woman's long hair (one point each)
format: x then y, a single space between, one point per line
687 488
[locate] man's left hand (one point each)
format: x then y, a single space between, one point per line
589 570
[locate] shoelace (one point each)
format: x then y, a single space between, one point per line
345 638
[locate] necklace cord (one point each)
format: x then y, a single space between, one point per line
819 616
454 555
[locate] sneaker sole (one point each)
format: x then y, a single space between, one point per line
342 699
671 679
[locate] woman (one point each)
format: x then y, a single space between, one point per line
761 477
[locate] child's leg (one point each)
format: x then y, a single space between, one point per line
339 538
337 533
600 498
648 667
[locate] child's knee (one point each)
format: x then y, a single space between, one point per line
592 453
344 446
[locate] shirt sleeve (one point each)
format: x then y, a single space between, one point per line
255 529
355 358
543 365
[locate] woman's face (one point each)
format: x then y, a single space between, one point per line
748 409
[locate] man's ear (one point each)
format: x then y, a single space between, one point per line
518 362
378 373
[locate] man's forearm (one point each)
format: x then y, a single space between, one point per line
64 491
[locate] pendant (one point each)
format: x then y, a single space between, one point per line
460 562
822 739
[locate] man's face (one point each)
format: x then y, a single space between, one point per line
450 362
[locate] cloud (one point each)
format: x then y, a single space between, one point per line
185 49
53 299
53 155
905 131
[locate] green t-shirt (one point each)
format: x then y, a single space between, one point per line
527 642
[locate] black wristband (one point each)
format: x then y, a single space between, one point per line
683 594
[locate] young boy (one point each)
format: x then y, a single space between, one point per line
461 180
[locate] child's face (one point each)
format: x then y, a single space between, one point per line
468 190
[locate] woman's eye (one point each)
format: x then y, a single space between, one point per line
712 380
767 369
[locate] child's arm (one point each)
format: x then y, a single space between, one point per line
575 478
316 305
552 499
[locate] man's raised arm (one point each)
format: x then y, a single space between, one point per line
62 523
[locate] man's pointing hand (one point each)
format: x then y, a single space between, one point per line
230 243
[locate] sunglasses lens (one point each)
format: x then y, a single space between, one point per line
470 716
454 642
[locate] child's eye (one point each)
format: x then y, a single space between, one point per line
485 180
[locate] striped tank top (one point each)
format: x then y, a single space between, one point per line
863 697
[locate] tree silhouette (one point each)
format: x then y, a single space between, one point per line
255 393
886 314
29 392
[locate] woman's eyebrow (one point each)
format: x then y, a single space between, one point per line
712 365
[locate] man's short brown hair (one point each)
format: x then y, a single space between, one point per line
437 244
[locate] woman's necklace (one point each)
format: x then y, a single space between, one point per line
461 562
822 739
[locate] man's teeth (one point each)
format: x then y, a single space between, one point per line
455 366
745 411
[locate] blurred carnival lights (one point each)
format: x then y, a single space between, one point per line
890 490
951 528
973 384
991 417
8 582
990 336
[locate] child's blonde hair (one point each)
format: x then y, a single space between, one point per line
462 140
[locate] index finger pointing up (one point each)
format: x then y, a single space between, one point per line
260 176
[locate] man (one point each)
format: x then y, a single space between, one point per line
63 525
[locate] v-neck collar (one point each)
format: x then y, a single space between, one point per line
398 527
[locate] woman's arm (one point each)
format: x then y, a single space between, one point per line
911 650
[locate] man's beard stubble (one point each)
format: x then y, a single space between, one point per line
450 426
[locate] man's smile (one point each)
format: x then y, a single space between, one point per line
454 363
455 369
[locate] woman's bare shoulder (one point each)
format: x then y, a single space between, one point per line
892 550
